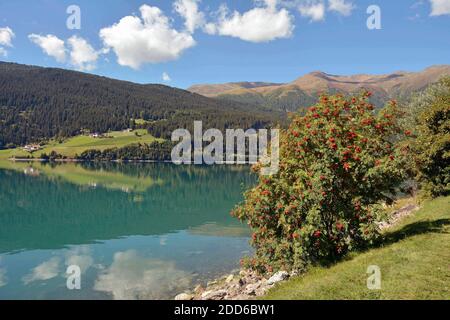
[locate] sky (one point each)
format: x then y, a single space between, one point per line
186 42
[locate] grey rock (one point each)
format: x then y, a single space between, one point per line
278 277
211 283
198 289
184 296
251 289
261 291
214 295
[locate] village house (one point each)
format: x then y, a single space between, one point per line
32 147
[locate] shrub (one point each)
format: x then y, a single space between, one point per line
432 146
337 162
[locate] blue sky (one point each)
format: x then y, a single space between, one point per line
223 46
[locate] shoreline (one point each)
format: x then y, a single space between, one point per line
69 160
244 285
84 161
248 285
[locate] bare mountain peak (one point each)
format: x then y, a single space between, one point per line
318 81
438 67
211 90
304 89
318 74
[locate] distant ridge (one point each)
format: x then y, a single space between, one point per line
214 89
304 90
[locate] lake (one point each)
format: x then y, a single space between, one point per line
137 231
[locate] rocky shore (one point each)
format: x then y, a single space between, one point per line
247 285
398 215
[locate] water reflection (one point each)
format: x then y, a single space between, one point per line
131 276
136 231
3 280
45 271
81 257
54 213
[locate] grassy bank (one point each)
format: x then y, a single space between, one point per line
414 261
81 143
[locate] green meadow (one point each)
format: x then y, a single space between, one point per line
414 261
81 143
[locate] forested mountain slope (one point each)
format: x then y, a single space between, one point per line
41 103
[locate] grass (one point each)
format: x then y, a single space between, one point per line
414 261
141 121
81 143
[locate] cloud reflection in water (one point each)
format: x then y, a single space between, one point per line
131 277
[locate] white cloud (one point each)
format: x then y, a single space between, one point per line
6 36
3 52
210 28
163 240
341 6
440 7
149 39
51 45
45 271
313 9
188 9
261 24
133 277
82 54
166 77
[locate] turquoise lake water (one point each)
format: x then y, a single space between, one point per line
137 231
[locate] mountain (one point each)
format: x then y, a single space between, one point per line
41 103
305 90
212 90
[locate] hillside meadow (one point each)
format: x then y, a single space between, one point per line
78 144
